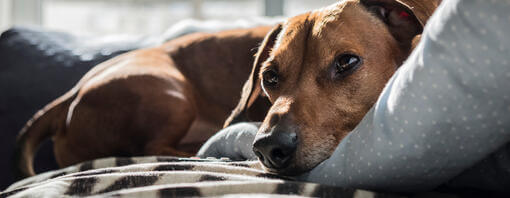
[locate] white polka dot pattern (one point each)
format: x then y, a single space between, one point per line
444 111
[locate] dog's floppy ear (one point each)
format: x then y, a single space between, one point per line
251 97
405 19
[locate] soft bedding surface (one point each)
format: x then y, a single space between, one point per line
170 177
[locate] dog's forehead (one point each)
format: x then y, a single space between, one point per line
297 31
292 29
290 42
328 15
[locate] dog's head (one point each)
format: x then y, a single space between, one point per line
322 71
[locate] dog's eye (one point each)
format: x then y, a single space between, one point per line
345 63
380 11
270 78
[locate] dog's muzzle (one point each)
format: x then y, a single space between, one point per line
276 149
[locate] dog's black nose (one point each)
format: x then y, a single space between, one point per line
276 150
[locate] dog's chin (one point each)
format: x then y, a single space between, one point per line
293 169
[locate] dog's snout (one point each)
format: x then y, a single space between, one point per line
276 150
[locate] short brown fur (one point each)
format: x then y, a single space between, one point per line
322 110
165 100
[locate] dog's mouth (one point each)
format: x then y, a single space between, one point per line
290 168
270 164
282 168
286 166
291 160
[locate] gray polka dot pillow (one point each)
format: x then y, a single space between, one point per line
443 117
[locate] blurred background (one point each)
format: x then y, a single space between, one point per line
99 17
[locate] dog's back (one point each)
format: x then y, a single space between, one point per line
144 102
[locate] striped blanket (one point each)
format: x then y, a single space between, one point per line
170 177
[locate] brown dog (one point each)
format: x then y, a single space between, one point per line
322 71
146 101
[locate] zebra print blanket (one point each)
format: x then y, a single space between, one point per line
170 177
